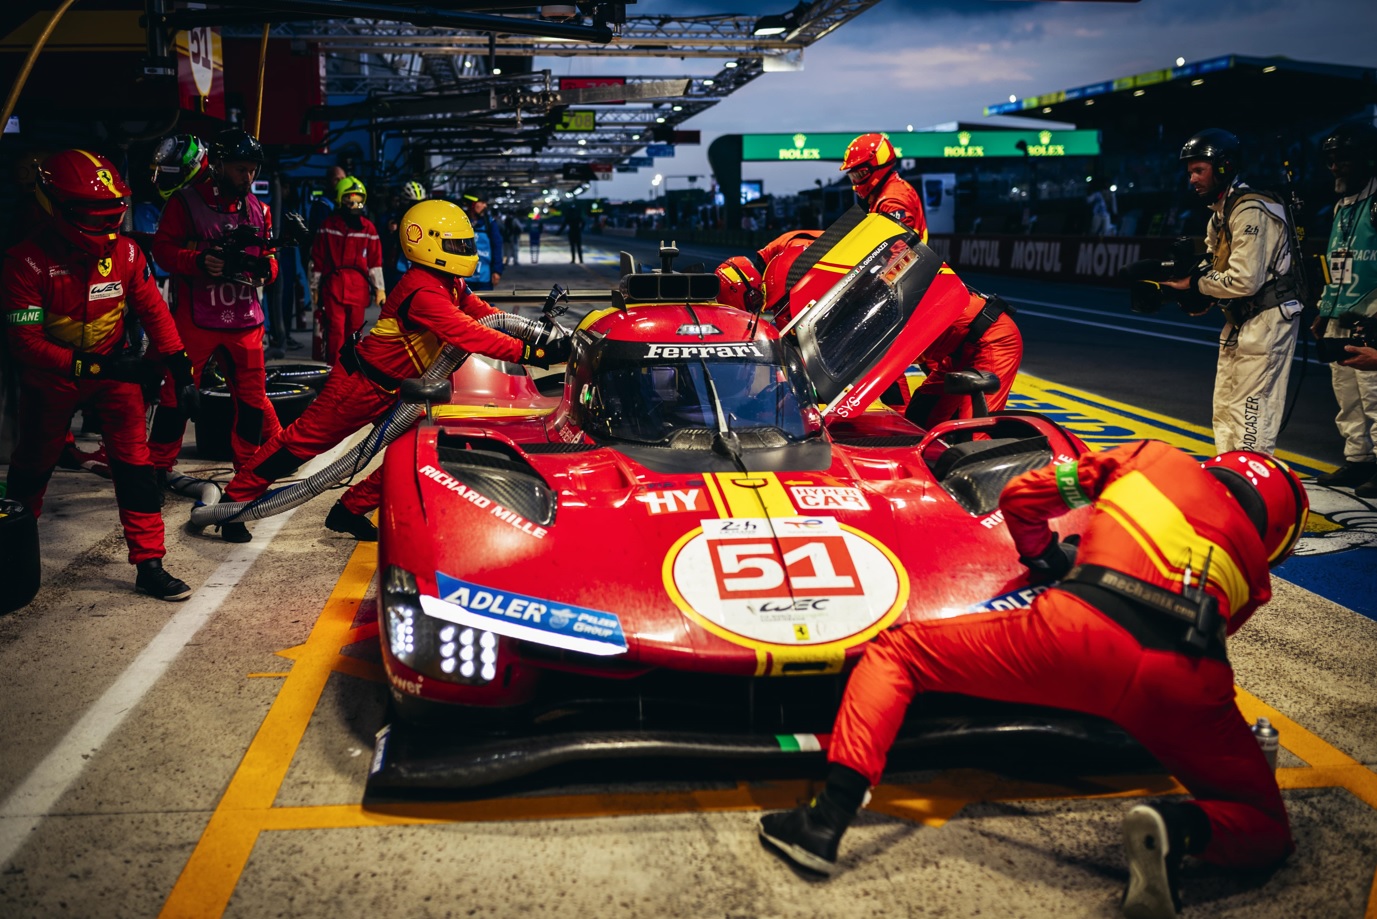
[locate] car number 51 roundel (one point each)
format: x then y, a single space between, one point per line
791 581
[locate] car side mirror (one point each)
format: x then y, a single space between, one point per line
427 393
974 383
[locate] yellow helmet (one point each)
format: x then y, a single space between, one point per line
351 187
438 233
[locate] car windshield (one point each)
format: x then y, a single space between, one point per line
649 400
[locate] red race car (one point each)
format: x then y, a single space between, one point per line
680 550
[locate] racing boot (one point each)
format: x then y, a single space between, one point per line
1157 838
809 834
342 520
234 531
74 458
156 582
1349 475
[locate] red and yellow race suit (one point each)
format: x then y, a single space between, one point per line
426 310
57 301
1156 516
998 349
899 200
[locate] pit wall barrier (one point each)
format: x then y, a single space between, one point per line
1075 259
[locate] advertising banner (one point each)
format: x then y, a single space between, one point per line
1079 259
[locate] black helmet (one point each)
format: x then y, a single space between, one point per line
1357 139
1217 146
236 144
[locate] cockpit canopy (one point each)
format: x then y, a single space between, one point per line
658 375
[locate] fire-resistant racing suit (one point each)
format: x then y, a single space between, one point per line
897 198
1156 517
1352 291
425 311
214 315
983 338
1250 262
64 306
346 275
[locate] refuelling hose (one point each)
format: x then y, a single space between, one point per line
388 429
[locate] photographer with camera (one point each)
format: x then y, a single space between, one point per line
1248 274
1347 325
213 240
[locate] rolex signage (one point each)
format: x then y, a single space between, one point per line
923 145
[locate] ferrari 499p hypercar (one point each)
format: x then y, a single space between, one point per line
680 549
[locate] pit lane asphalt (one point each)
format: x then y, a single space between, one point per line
232 783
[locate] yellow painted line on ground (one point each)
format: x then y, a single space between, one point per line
209 878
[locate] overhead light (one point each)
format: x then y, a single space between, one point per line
1180 62
780 23
582 142
635 137
731 65
678 108
1013 98
1197 82
909 128
709 82
660 119
1089 101
1140 92
497 71
1046 109
1269 69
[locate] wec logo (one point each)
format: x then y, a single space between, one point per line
108 290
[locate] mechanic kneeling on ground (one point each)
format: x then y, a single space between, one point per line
1175 554
983 338
431 306
65 289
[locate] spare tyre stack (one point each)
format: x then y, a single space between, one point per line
292 386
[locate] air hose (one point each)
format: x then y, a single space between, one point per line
389 428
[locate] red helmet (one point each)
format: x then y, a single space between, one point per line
870 159
1271 495
740 283
86 194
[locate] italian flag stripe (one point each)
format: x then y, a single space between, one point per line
799 743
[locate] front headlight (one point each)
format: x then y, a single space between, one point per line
430 646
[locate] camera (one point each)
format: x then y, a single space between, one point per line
1362 334
1146 277
243 268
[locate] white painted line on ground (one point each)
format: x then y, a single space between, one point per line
35 797
1134 317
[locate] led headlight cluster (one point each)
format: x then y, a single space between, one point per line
438 649
474 654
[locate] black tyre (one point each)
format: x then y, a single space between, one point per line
304 373
19 549
289 400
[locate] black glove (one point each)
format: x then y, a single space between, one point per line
188 393
1054 562
126 369
543 354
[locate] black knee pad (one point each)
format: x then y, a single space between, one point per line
136 487
282 462
248 423
23 485
169 424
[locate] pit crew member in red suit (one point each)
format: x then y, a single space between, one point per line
217 314
983 338
431 306
1114 639
872 165
65 290
742 277
346 266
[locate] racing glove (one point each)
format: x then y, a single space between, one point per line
188 393
125 369
545 353
1052 563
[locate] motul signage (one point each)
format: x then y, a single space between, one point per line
1086 259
